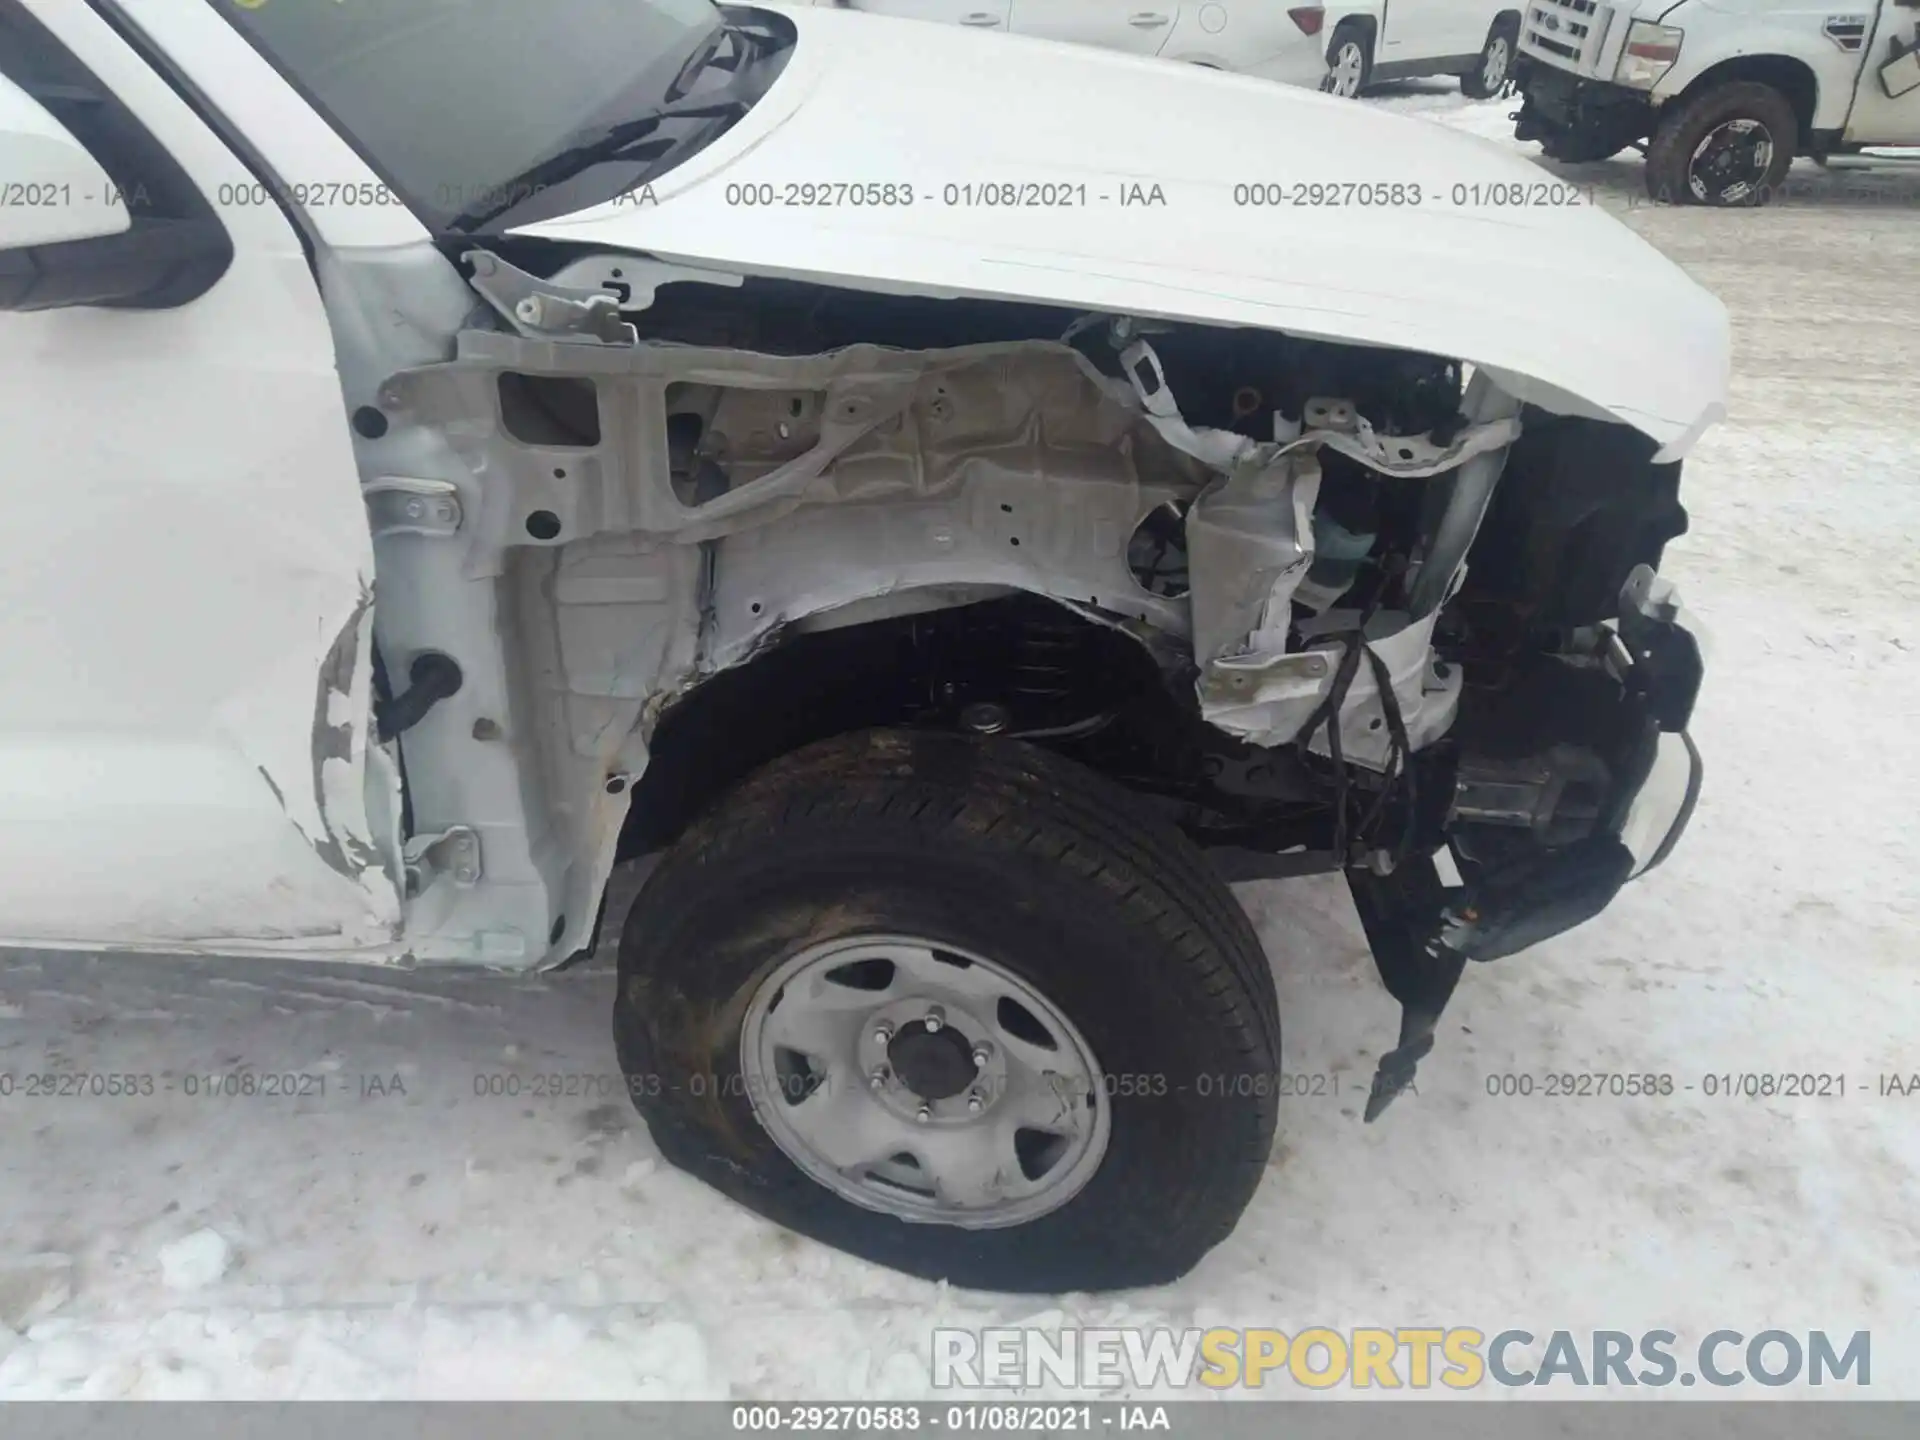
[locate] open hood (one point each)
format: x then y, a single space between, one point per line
1082 178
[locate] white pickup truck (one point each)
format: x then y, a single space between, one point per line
947 524
1721 94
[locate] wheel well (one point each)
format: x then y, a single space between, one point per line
1363 23
1792 78
1046 668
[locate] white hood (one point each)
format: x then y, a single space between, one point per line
1564 304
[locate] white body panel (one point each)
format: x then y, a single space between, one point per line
1416 30
189 552
975 14
860 102
1139 27
1878 117
184 600
64 194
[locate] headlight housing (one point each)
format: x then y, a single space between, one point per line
1650 51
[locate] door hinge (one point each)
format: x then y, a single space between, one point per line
542 310
454 853
398 505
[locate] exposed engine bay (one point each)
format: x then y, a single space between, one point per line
1328 606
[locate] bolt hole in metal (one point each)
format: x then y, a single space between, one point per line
924 1082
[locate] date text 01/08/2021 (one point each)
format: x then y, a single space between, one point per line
984 1416
1042 195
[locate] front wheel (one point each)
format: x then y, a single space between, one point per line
959 1007
1490 76
1728 146
1349 61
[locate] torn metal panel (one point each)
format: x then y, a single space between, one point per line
704 500
1267 699
881 424
342 707
887 471
1250 544
1328 422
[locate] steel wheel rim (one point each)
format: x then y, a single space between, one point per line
839 1068
1343 76
1739 144
1493 73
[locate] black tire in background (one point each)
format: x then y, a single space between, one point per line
1494 70
1005 851
1735 115
1578 148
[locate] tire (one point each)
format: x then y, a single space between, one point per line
984 848
1493 72
1349 62
1673 172
1575 148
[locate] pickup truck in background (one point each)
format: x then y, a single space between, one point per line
1720 94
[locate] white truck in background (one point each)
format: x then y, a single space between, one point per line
1339 48
1720 94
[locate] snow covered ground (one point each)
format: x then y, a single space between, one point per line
402 1234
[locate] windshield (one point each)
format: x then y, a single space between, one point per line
461 106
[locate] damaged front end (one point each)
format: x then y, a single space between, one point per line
1329 607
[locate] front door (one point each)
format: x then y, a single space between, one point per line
1886 97
186 576
1140 26
974 14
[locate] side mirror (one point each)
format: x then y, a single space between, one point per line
72 234
52 190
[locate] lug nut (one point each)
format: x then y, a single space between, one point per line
974 1102
923 1114
936 1017
982 1053
882 1034
878 1078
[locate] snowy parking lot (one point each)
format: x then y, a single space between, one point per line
447 1194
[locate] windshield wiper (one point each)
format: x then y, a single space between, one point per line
733 99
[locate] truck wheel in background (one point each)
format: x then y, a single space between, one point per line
1349 60
958 1006
1491 75
1727 146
